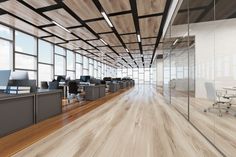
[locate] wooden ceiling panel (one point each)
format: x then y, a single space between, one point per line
54 40
84 33
40 3
99 26
85 9
62 17
112 6
82 44
60 32
14 22
96 43
105 49
132 46
146 7
94 51
119 49
110 39
149 27
149 41
129 38
69 46
23 12
148 48
123 23
82 52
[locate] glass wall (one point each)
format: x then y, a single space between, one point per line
200 71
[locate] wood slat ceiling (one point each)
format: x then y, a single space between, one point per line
23 12
99 26
58 31
84 20
14 22
85 9
83 33
113 6
40 3
62 17
146 7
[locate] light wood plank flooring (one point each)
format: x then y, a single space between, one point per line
137 123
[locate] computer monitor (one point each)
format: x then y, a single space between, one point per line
84 78
4 78
61 79
19 75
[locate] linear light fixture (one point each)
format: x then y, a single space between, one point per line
103 41
61 26
106 18
126 50
175 41
139 38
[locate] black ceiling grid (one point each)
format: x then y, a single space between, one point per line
51 34
100 8
133 5
40 12
78 19
43 15
163 21
19 18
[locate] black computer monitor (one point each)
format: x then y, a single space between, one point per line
61 79
84 78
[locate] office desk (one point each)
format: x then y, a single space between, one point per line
18 111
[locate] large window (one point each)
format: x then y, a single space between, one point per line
25 43
85 66
70 64
26 54
60 61
6 55
45 57
79 66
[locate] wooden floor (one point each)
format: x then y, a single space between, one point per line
136 123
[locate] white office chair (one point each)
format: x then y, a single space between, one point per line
222 98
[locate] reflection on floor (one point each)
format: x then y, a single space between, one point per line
220 130
137 123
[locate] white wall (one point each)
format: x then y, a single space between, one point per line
215 53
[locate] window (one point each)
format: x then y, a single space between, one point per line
60 64
85 63
79 71
45 52
70 60
79 58
25 43
25 62
60 61
71 74
45 57
6 32
60 50
5 55
91 69
45 72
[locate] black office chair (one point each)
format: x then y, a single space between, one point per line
73 90
44 85
53 85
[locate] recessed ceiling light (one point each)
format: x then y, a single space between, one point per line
126 50
175 41
107 19
61 26
139 38
103 41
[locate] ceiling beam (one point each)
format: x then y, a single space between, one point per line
163 21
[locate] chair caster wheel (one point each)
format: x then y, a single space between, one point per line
205 110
